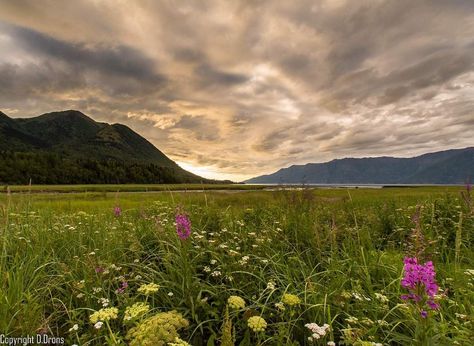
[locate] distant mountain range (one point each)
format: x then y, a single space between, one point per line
68 147
443 167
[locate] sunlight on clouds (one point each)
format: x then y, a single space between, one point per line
234 89
211 172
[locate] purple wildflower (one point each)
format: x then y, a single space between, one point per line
122 287
99 270
420 281
183 226
117 211
424 313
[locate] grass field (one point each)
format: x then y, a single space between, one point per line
259 268
127 188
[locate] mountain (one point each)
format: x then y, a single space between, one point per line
443 167
68 147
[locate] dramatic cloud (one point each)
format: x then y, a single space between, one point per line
234 89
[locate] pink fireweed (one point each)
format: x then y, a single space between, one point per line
420 281
183 226
117 211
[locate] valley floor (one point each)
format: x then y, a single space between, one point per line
301 267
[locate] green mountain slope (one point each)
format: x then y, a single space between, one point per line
70 148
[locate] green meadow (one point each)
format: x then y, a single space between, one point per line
105 265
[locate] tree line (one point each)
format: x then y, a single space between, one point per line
52 168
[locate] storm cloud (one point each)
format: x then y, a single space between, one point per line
234 89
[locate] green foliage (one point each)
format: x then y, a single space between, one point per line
53 168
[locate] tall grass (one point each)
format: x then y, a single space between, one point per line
340 254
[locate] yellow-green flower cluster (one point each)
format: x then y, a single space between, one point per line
290 299
236 302
136 310
179 342
104 315
157 330
148 289
257 324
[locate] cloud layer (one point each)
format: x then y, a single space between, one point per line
234 89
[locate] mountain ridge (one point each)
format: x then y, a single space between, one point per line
452 166
70 140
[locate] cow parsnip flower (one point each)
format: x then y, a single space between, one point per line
157 330
178 342
148 289
136 310
290 299
104 315
236 302
257 324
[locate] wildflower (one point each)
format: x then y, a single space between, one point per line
469 272
280 306
80 295
290 299
271 285
213 261
206 269
331 343
160 329
74 328
122 287
98 325
117 211
352 320
136 310
316 329
96 289
104 302
236 302
382 323
178 342
104 315
216 273
183 226
244 260
148 289
99 270
382 298
257 324
114 267
420 281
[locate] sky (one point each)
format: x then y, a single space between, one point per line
236 89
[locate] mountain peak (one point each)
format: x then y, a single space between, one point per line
79 140
67 115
